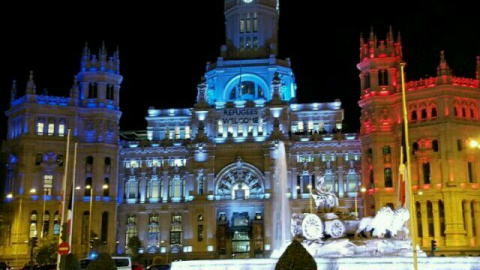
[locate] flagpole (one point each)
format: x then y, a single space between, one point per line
408 179
70 234
64 197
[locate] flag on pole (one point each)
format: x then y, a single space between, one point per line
70 216
402 173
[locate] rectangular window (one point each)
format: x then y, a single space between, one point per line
61 130
426 173
242 26
459 145
310 126
240 129
187 132
51 129
242 42
200 233
40 127
300 126
249 24
177 133
260 126
255 22
388 177
248 45
255 42
220 127
47 184
470 173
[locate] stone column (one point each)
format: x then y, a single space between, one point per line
424 222
476 211
455 231
436 220
467 213
165 186
341 190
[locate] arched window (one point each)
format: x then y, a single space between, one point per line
414 116
472 113
424 113
455 111
92 90
434 112
247 90
414 147
106 187
110 92
200 184
33 224
104 234
108 164
464 112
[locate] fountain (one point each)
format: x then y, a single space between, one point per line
281 206
387 244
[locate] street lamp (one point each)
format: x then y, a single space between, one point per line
9 196
474 143
362 190
33 191
89 187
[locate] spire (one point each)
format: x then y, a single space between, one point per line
31 89
371 38
74 92
13 90
443 68
276 89
102 57
202 94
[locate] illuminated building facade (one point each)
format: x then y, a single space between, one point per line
198 183
38 126
443 115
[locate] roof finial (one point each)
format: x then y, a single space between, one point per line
13 91
443 68
30 84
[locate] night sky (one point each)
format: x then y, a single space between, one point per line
164 49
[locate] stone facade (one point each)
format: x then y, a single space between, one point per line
198 182
443 115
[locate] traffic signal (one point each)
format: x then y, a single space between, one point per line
434 245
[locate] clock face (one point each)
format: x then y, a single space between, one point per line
247 1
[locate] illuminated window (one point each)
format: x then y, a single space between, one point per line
247 90
177 133
200 184
156 163
187 132
106 187
134 164
131 188
56 223
242 26
40 127
154 188
249 23
51 129
47 184
61 130
176 230
220 127
131 232
46 223
33 224
300 126
240 129
153 232
88 186
176 187
255 22
260 126
310 126
179 162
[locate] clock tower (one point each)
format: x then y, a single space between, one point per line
251 28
